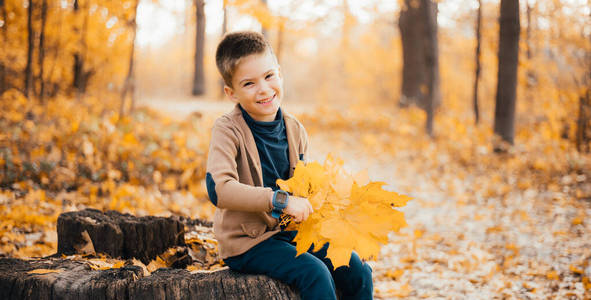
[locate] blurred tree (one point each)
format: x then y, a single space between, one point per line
583 139
279 45
477 77
348 23
41 56
528 29
507 72
224 30
420 71
129 84
264 30
199 73
81 74
583 135
30 47
3 25
50 47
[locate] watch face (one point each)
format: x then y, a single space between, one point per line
281 198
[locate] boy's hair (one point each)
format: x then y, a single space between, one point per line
236 45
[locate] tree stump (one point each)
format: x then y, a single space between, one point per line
117 234
74 279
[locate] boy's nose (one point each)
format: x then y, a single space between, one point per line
265 89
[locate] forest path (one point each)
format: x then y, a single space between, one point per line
528 245
182 106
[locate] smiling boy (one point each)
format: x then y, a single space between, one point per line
251 147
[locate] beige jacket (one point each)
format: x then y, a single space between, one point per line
243 215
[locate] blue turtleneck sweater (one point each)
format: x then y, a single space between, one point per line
271 140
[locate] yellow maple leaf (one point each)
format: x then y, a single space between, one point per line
350 213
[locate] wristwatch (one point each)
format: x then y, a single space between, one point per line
280 200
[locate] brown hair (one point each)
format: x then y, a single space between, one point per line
236 45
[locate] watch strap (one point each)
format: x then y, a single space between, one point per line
279 206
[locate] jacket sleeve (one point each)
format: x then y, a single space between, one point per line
223 187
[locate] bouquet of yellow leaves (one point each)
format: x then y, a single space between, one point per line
350 213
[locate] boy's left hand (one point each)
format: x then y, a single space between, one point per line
298 207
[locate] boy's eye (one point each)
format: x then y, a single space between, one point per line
247 84
269 76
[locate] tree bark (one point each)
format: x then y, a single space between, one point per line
199 74
30 47
118 235
126 236
477 72
76 280
420 71
508 54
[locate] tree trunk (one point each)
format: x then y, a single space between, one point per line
75 279
30 46
129 84
123 235
41 57
279 47
507 72
78 62
81 76
432 62
420 71
199 76
531 77
264 30
224 30
4 40
583 138
117 235
52 88
477 77
528 30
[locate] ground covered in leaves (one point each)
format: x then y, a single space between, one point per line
482 225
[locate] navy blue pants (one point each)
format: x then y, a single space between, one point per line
312 273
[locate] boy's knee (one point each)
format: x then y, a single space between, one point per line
359 267
355 280
318 271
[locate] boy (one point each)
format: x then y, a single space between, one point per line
251 147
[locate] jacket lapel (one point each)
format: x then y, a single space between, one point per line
251 146
292 131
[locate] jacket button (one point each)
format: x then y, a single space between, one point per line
254 232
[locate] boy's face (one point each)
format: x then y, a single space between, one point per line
257 86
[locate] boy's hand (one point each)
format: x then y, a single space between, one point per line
298 207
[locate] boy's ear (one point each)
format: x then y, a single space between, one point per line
230 93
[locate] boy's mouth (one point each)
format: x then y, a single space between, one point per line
267 100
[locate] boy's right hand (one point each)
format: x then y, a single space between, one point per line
299 208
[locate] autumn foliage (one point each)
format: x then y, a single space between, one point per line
481 224
350 213
66 155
